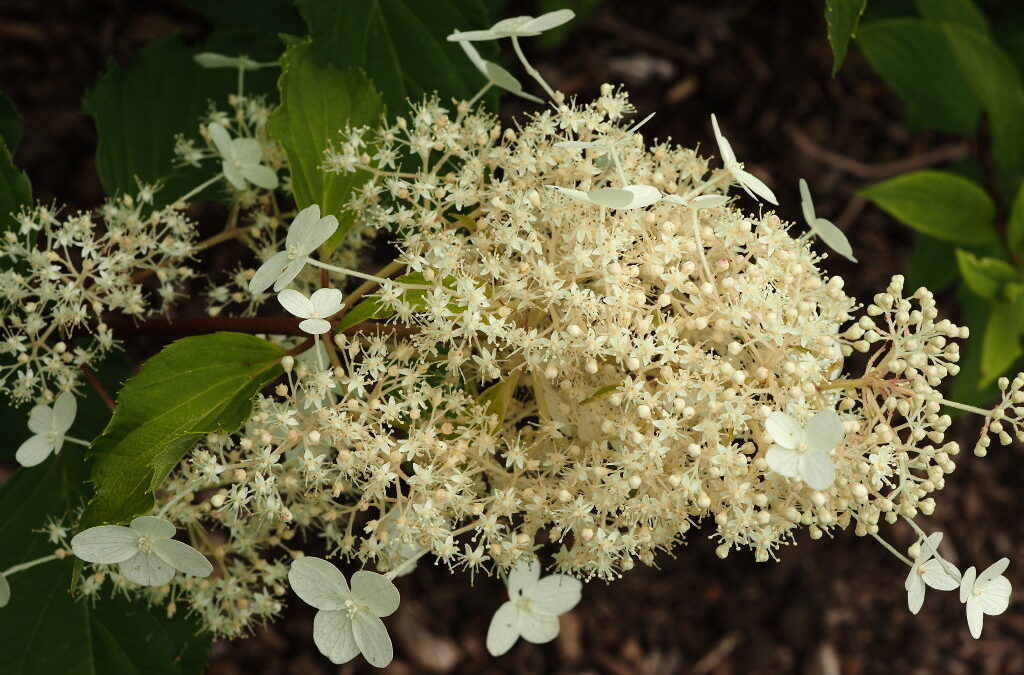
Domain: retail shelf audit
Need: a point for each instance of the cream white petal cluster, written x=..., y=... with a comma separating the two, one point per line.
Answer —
x=803, y=451
x=241, y=159
x=48, y=426
x=985, y=593
x=929, y=570
x=825, y=229
x=305, y=235
x=533, y=607
x=315, y=309
x=516, y=27
x=750, y=183
x=349, y=621
x=145, y=552
x=605, y=143
x=626, y=197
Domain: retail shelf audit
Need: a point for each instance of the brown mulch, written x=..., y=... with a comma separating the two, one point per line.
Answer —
x=828, y=607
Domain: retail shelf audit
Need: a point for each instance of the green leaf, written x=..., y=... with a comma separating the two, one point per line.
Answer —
x=996, y=83
x=316, y=102
x=373, y=308
x=194, y=386
x=1015, y=226
x=10, y=123
x=914, y=58
x=937, y=203
x=139, y=109
x=988, y=277
x=932, y=264
x=963, y=12
x=1001, y=344
x=15, y=190
x=842, y=17
x=401, y=43
x=44, y=630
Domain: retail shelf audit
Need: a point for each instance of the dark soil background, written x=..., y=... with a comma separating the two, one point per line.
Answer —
x=828, y=607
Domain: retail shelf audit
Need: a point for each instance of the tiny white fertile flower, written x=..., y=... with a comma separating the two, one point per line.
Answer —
x=144, y=551
x=803, y=451
x=586, y=145
x=495, y=74
x=626, y=197
x=241, y=159
x=305, y=235
x=214, y=60
x=315, y=309
x=349, y=620
x=698, y=202
x=826, y=231
x=929, y=570
x=750, y=183
x=5, y=591
x=48, y=426
x=533, y=607
x=516, y=26
x=985, y=593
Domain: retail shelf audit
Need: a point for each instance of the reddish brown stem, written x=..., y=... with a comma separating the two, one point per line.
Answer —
x=104, y=395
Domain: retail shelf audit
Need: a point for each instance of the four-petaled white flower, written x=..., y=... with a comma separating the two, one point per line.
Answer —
x=145, y=552
x=826, y=231
x=533, y=607
x=516, y=26
x=494, y=73
x=985, y=593
x=750, y=183
x=243, y=62
x=324, y=303
x=929, y=570
x=626, y=197
x=305, y=235
x=349, y=620
x=241, y=159
x=803, y=451
x=48, y=426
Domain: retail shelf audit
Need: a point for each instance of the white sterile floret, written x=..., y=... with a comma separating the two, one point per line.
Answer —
x=214, y=60
x=826, y=231
x=533, y=607
x=48, y=426
x=316, y=309
x=241, y=159
x=985, y=593
x=698, y=202
x=929, y=570
x=349, y=620
x=144, y=551
x=803, y=451
x=516, y=26
x=5, y=591
x=626, y=197
x=750, y=183
x=494, y=73
x=307, y=232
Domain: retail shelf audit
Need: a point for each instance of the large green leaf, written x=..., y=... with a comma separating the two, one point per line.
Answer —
x=963, y=12
x=15, y=190
x=842, y=17
x=194, y=386
x=1015, y=226
x=401, y=43
x=914, y=57
x=1001, y=344
x=316, y=102
x=988, y=277
x=10, y=123
x=140, y=108
x=937, y=203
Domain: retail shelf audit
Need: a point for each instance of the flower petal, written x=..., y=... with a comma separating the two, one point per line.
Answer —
x=233, y=175
x=548, y=21
x=291, y=271
x=817, y=469
x=153, y=527
x=322, y=231
x=555, y=594
x=326, y=302
x=247, y=150
x=318, y=583
x=524, y=573
x=995, y=596
x=833, y=238
x=570, y=192
x=473, y=36
x=612, y=198
x=750, y=182
x=64, y=410
x=994, y=570
x=221, y=139
x=824, y=431
x=806, y=205
x=372, y=638
x=295, y=303
x=269, y=272
x=724, y=147
x=182, y=557
x=260, y=175
x=146, y=569
x=376, y=592
x=967, y=583
x=708, y=201
x=332, y=635
x=5, y=591
x=303, y=226
x=40, y=419
x=537, y=627
x=915, y=591
x=783, y=461
x=936, y=576
x=106, y=544
x=315, y=326
x=784, y=429
x=504, y=629
x=34, y=450
x=975, y=616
